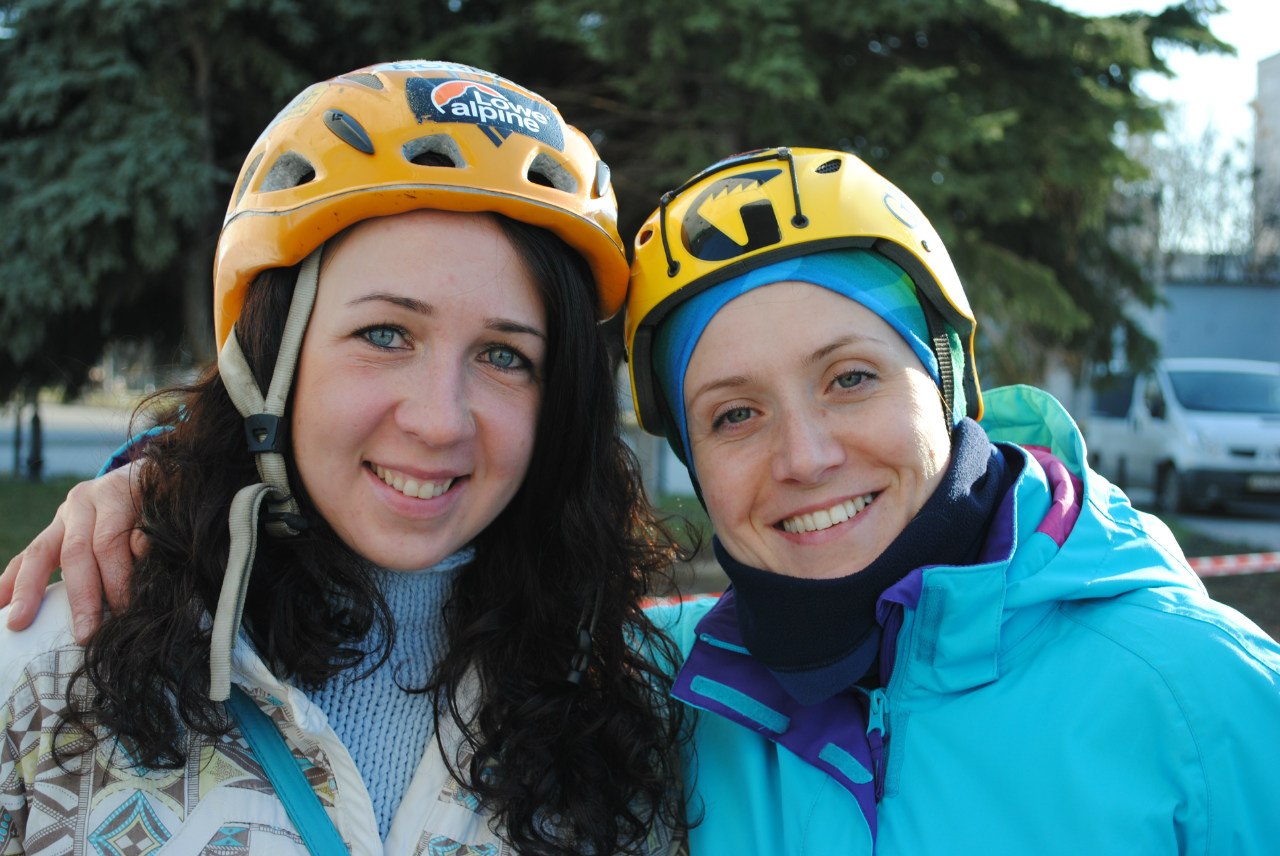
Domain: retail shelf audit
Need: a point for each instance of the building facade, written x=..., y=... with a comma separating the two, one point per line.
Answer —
x=1266, y=153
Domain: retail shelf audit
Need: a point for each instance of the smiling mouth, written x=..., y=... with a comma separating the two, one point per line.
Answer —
x=409, y=486
x=816, y=521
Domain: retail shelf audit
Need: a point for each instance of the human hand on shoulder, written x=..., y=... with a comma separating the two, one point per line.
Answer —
x=94, y=540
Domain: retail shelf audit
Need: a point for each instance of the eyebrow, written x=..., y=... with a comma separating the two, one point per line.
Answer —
x=410, y=303
x=736, y=381
x=421, y=307
x=506, y=325
x=731, y=382
x=829, y=348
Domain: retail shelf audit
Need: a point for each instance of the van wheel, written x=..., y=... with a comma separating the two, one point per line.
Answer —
x=1171, y=495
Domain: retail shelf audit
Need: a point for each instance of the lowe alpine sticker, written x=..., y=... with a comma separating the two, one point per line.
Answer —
x=497, y=111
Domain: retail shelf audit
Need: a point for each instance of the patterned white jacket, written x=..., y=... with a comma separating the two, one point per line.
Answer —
x=220, y=802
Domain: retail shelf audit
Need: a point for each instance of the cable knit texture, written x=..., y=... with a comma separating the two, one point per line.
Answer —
x=385, y=728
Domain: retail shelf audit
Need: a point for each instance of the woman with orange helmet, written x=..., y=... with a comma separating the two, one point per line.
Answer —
x=388, y=604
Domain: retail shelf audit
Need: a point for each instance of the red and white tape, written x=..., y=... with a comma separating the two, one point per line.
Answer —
x=1245, y=563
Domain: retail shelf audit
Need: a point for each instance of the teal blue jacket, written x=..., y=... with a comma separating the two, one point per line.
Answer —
x=1075, y=692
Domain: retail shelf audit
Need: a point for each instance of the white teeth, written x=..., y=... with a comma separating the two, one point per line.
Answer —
x=411, y=486
x=819, y=520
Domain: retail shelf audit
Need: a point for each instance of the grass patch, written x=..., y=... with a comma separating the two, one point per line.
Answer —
x=25, y=509
x=687, y=519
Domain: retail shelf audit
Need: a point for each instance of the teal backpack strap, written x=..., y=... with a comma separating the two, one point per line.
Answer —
x=300, y=801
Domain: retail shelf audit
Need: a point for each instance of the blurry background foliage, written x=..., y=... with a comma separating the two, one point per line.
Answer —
x=1010, y=122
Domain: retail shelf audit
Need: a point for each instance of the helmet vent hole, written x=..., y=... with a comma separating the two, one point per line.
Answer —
x=363, y=78
x=290, y=170
x=435, y=150
x=603, y=179
x=432, y=159
x=248, y=177
x=645, y=236
x=830, y=166
x=546, y=172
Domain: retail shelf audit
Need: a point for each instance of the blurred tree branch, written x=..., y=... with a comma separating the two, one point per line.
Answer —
x=123, y=122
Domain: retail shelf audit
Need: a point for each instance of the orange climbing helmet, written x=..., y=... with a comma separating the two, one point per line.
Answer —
x=407, y=135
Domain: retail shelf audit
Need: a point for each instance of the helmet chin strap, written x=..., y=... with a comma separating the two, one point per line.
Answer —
x=941, y=345
x=263, y=422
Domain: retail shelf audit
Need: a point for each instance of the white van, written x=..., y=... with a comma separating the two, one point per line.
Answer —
x=1198, y=431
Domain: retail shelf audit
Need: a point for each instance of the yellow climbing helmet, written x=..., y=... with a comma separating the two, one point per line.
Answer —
x=764, y=206
x=407, y=135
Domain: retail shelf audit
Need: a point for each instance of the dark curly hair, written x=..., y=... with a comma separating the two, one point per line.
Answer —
x=564, y=767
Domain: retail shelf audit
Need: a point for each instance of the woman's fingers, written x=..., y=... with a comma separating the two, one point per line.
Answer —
x=118, y=542
x=27, y=575
x=80, y=570
x=94, y=540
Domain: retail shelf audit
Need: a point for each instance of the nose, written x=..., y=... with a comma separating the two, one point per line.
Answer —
x=806, y=448
x=436, y=407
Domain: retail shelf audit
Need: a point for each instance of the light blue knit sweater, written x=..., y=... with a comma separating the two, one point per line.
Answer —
x=385, y=728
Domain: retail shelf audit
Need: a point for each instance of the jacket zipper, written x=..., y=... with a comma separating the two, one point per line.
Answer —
x=878, y=698
x=877, y=736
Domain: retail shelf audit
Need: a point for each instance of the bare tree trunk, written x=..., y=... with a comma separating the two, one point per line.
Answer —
x=197, y=293
x=35, y=459
x=197, y=312
x=17, y=436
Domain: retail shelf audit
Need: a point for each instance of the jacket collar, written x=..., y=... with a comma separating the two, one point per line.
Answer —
x=721, y=677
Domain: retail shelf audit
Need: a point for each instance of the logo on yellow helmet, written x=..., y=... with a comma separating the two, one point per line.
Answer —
x=903, y=209
x=732, y=216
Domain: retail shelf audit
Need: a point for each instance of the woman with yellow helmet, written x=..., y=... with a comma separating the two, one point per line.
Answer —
x=388, y=603
x=942, y=635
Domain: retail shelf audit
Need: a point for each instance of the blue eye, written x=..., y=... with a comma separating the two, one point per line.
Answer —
x=506, y=359
x=732, y=416
x=502, y=358
x=849, y=380
x=382, y=336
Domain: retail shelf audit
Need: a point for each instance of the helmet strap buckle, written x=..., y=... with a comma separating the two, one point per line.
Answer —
x=261, y=431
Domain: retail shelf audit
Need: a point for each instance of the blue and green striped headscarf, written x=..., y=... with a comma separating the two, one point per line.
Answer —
x=863, y=276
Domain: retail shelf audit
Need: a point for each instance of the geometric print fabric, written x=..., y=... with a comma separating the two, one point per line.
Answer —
x=220, y=803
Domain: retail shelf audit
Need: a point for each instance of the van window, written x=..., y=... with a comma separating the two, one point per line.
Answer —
x=1112, y=395
x=1227, y=392
x=1153, y=397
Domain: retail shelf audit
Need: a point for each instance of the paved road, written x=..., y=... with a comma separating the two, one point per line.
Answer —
x=1257, y=526
x=1254, y=523
x=77, y=437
